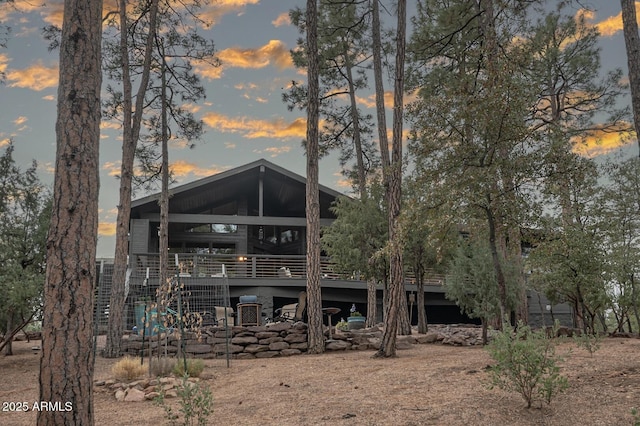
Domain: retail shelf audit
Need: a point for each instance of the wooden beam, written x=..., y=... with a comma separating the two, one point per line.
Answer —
x=235, y=220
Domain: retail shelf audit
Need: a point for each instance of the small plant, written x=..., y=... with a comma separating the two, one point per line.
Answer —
x=342, y=325
x=195, y=367
x=196, y=404
x=526, y=363
x=354, y=311
x=128, y=369
x=636, y=416
x=162, y=367
x=588, y=342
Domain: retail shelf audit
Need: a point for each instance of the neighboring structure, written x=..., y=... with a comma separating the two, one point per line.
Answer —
x=251, y=219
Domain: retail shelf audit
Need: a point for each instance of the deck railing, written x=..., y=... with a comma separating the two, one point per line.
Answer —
x=250, y=266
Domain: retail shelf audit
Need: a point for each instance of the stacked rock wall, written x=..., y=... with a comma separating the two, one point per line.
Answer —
x=286, y=339
x=281, y=339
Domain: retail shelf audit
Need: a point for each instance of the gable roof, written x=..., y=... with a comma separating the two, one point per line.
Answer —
x=283, y=193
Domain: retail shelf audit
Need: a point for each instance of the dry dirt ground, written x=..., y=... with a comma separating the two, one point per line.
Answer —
x=428, y=384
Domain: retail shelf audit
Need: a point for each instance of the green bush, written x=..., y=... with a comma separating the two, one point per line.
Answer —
x=588, y=342
x=526, y=363
x=194, y=368
x=196, y=404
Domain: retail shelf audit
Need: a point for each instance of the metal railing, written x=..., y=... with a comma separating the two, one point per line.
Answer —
x=251, y=266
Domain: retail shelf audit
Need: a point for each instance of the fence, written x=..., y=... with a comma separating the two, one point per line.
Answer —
x=188, y=299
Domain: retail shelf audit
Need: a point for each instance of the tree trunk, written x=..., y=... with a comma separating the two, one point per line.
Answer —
x=130, y=134
x=314, y=294
x=632, y=43
x=8, y=347
x=423, y=325
x=502, y=285
x=164, y=193
x=357, y=143
x=66, y=364
x=8, y=337
x=394, y=312
x=485, y=326
x=371, y=303
x=379, y=87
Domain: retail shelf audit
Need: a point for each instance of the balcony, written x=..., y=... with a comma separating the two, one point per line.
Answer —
x=256, y=266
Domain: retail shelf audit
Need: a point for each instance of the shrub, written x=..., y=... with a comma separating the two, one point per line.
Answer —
x=196, y=404
x=588, y=342
x=128, y=369
x=526, y=363
x=162, y=367
x=194, y=368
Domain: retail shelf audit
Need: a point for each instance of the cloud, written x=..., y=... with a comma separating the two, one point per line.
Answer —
x=4, y=142
x=609, y=26
x=282, y=19
x=112, y=168
x=254, y=128
x=48, y=98
x=275, y=53
x=219, y=8
x=183, y=168
x=20, y=120
x=273, y=151
x=230, y=145
x=206, y=70
x=370, y=101
x=4, y=60
x=107, y=229
x=36, y=77
x=599, y=142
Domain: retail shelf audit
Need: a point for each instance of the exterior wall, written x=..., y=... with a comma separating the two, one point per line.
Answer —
x=543, y=314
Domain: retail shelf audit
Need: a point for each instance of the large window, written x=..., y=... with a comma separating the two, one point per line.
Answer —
x=212, y=228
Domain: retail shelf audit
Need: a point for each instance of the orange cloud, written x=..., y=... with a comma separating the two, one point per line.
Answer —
x=4, y=60
x=107, y=229
x=370, y=101
x=4, y=142
x=112, y=168
x=598, y=142
x=182, y=168
x=611, y=25
x=275, y=52
x=206, y=70
x=273, y=151
x=20, y=120
x=37, y=77
x=48, y=98
x=253, y=129
x=214, y=11
x=282, y=19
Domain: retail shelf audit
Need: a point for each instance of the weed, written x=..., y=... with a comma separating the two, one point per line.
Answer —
x=194, y=368
x=196, y=404
x=128, y=369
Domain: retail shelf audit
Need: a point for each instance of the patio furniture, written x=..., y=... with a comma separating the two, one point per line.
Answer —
x=293, y=312
x=328, y=312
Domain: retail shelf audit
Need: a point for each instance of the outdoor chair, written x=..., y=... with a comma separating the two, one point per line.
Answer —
x=293, y=312
x=220, y=312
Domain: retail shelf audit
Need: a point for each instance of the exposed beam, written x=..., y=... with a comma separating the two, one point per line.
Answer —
x=235, y=220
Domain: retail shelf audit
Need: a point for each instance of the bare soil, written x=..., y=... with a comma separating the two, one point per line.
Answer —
x=425, y=385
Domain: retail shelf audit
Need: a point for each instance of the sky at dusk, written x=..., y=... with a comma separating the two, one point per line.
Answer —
x=245, y=118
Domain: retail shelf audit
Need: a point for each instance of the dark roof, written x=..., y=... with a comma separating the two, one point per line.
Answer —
x=284, y=193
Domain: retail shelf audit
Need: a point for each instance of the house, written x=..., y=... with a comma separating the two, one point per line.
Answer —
x=248, y=225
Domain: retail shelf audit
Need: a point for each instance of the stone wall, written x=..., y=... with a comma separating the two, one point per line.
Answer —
x=286, y=339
